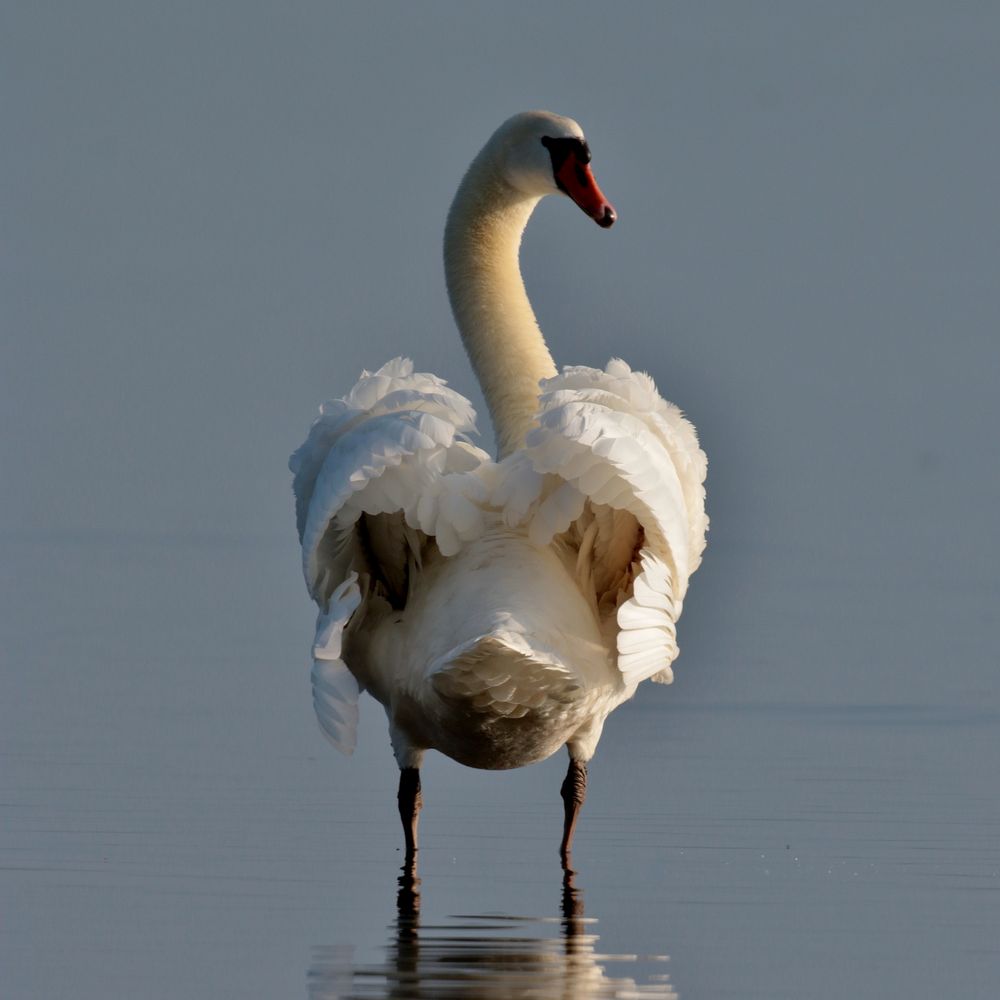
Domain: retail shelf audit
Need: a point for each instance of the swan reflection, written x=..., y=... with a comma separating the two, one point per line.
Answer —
x=485, y=958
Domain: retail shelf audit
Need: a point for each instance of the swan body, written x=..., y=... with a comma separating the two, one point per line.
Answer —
x=498, y=610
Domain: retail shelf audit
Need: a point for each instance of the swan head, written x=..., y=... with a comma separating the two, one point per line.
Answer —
x=540, y=153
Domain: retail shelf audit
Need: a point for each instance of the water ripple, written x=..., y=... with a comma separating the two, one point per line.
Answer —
x=486, y=957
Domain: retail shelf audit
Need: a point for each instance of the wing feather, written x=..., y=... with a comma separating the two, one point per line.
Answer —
x=335, y=689
x=618, y=469
x=390, y=459
x=396, y=443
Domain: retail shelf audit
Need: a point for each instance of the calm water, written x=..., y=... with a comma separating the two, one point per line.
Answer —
x=173, y=824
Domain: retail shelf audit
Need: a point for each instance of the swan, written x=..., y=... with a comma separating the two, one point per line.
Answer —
x=498, y=609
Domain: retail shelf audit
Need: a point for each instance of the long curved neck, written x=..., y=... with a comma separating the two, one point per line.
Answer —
x=492, y=311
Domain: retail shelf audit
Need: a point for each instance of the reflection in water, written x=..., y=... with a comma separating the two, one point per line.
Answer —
x=484, y=958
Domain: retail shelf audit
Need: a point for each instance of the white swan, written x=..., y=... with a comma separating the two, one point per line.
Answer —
x=498, y=610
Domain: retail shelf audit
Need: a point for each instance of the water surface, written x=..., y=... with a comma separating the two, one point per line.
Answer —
x=173, y=824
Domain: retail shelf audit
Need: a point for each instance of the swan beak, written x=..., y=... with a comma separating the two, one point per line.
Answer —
x=578, y=182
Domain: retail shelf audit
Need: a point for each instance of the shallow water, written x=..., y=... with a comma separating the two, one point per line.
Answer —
x=490, y=955
x=174, y=825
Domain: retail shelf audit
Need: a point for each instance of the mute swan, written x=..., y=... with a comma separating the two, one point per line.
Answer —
x=498, y=609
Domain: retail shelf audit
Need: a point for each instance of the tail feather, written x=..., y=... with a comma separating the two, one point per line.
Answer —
x=498, y=679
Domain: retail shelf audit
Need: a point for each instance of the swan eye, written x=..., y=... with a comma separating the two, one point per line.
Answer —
x=561, y=150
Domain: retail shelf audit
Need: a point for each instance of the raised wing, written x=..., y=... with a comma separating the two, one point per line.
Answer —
x=614, y=472
x=383, y=470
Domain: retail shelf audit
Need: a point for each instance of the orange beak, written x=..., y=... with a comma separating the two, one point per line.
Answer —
x=578, y=182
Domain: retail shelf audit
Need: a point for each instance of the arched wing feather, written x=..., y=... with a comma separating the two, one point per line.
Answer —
x=398, y=442
x=616, y=471
x=391, y=458
x=335, y=689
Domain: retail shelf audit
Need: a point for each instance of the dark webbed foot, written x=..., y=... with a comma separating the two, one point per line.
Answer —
x=573, y=791
x=410, y=804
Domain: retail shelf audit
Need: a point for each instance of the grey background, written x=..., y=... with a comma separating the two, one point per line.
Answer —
x=214, y=215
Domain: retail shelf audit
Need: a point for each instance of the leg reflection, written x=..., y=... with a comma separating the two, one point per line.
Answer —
x=572, y=905
x=483, y=956
x=408, y=897
x=407, y=957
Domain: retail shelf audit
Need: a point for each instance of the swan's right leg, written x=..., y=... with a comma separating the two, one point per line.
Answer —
x=573, y=791
x=574, y=787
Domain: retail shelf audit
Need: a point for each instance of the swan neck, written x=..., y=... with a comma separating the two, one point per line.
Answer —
x=494, y=317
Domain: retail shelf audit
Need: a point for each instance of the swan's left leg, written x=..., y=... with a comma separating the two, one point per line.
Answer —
x=410, y=799
x=410, y=804
x=573, y=791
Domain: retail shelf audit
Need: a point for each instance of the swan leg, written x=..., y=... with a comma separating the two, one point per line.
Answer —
x=410, y=803
x=573, y=791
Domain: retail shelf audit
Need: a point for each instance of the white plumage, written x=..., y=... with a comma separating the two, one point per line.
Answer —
x=498, y=609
